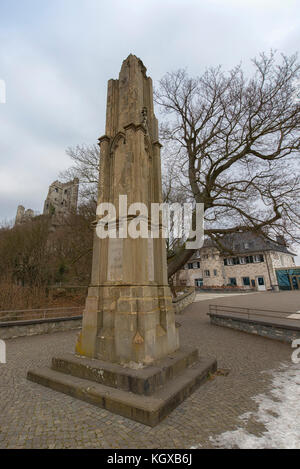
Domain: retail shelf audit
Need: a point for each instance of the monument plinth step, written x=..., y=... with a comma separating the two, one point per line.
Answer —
x=149, y=410
x=139, y=381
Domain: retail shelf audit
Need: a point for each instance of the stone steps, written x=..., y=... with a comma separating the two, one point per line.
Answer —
x=146, y=409
x=140, y=380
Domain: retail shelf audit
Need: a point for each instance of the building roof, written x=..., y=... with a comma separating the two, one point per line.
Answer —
x=248, y=242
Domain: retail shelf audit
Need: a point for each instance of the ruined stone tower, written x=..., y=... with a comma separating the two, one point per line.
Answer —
x=129, y=314
x=62, y=198
x=23, y=215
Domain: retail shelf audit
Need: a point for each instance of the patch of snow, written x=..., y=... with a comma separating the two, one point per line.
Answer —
x=279, y=412
x=133, y=365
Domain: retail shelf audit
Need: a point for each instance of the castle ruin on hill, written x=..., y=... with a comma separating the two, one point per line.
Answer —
x=62, y=198
x=23, y=215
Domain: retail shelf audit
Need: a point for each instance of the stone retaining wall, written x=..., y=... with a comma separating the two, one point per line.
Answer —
x=182, y=301
x=272, y=331
x=12, y=329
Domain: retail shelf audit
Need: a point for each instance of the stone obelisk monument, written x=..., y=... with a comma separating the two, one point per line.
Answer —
x=127, y=357
x=129, y=315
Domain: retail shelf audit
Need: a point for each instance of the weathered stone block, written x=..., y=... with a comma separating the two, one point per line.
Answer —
x=146, y=395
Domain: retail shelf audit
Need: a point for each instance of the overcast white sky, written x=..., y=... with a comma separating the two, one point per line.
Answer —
x=57, y=55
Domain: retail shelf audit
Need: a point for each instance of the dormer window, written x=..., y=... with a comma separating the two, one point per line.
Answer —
x=258, y=258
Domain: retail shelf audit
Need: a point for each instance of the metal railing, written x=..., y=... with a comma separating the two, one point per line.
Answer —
x=250, y=313
x=41, y=313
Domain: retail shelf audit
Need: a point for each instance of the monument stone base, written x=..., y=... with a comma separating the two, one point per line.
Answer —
x=124, y=323
x=146, y=395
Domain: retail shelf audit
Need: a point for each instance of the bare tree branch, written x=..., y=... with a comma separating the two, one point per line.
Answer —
x=235, y=143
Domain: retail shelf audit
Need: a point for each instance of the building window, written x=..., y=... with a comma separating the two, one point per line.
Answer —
x=232, y=281
x=190, y=265
x=243, y=260
x=249, y=259
x=232, y=261
x=258, y=258
x=260, y=281
x=207, y=273
x=215, y=272
x=197, y=265
x=198, y=282
x=246, y=281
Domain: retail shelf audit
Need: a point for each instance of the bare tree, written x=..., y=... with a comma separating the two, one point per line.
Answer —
x=236, y=145
x=86, y=160
x=173, y=193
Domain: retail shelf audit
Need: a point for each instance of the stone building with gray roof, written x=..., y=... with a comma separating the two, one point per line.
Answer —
x=246, y=261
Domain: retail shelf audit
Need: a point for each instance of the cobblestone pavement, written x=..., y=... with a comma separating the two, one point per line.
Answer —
x=32, y=416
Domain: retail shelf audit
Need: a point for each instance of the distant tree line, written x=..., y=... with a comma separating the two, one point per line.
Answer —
x=42, y=252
